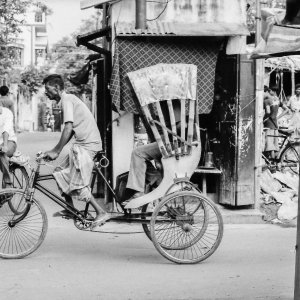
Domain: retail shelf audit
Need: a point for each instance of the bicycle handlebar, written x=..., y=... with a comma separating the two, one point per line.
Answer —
x=40, y=156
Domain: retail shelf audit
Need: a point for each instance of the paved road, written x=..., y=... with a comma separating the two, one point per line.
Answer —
x=252, y=262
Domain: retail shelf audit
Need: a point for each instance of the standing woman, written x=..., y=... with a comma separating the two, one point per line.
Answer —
x=294, y=105
x=271, y=105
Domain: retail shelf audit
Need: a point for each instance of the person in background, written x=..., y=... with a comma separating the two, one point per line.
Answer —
x=271, y=105
x=284, y=114
x=294, y=105
x=8, y=144
x=5, y=100
x=51, y=122
x=47, y=119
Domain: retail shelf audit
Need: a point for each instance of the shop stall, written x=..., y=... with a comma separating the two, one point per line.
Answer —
x=141, y=34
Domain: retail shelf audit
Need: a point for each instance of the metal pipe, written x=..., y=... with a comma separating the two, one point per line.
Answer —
x=141, y=14
x=259, y=96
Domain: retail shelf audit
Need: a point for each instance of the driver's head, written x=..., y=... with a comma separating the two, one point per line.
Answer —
x=54, y=85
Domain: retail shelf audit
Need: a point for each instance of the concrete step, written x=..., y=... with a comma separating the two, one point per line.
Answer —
x=241, y=215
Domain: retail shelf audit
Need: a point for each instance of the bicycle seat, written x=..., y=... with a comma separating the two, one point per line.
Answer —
x=99, y=155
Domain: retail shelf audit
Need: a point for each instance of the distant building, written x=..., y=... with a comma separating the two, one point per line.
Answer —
x=32, y=43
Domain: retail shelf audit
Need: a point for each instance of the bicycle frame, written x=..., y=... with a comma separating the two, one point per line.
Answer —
x=286, y=141
x=36, y=180
x=283, y=144
x=36, y=184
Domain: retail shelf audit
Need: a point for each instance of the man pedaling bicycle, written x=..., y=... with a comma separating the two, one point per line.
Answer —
x=74, y=173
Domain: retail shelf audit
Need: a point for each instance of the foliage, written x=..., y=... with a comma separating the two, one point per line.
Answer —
x=43, y=8
x=12, y=18
x=31, y=79
x=69, y=59
x=65, y=59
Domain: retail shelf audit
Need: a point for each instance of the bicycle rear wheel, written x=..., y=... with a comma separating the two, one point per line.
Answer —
x=20, y=180
x=20, y=239
x=289, y=159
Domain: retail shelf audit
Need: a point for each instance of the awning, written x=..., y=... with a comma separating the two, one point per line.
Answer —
x=285, y=63
x=157, y=28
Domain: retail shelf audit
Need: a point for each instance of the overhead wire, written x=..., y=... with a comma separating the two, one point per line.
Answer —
x=165, y=7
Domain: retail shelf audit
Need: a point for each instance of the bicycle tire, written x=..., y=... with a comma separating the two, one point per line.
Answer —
x=192, y=237
x=290, y=155
x=183, y=184
x=20, y=180
x=28, y=234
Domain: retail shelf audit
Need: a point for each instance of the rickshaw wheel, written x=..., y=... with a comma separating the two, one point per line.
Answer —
x=186, y=227
x=180, y=185
x=147, y=208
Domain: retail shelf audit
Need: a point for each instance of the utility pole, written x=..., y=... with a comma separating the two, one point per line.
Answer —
x=259, y=96
x=297, y=264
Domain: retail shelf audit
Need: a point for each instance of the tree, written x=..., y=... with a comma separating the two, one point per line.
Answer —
x=31, y=79
x=12, y=18
x=68, y=58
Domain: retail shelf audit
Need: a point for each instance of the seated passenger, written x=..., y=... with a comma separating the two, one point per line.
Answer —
x=141, y=169
x=74, y=173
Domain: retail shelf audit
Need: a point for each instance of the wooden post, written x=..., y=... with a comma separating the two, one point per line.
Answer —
x=293, y=80
x=259, y=95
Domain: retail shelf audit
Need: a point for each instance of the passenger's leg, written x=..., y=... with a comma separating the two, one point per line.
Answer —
x=138, y=166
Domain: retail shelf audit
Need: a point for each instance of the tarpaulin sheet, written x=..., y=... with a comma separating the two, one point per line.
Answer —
x=277, y=40
x=134, y=54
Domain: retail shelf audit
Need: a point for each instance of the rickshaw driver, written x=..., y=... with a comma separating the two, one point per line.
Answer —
x=74, y=173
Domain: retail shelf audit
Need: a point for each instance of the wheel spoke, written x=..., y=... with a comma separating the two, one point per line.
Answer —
x=27, y=234
x=194, y=230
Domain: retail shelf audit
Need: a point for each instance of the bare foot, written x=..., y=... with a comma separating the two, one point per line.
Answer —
x=100, y=220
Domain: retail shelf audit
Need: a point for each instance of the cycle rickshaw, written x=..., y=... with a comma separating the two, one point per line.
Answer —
x=184, y=226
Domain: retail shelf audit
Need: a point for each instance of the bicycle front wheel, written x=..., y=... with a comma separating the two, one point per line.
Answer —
x=20, y=239
x=289, y=159
x=19, y=176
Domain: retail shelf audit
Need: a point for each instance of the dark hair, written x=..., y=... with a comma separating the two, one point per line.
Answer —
x=266, y=88
x=4, y=90
x=274, y=88
x=54, y=79
x=297, y=86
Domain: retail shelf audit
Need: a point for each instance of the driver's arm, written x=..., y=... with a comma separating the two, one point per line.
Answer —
x=64, y=139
